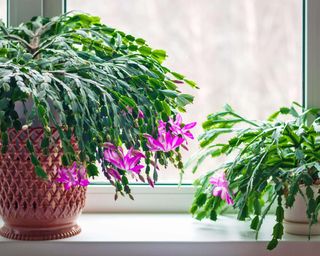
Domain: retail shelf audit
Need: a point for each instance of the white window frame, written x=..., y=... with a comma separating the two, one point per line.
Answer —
x=174, y=198
x=311, y=53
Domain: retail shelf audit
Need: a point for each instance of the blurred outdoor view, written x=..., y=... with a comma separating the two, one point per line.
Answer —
x=243, y=52
x=3, y=10
x=246, y=53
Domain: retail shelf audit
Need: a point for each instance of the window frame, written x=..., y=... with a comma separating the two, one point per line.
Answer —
x=172, y=197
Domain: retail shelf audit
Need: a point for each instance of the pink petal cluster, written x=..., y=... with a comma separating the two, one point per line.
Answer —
x=114, y=173
x=220, y=187
x=177, y=128
x=128, y=162
x=165, y=142
x=73, y=176
x=140, y=114
x=171, y=135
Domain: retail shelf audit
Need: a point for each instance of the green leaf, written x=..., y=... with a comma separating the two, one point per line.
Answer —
x=177, y=75
x=30, y=146
x=160, y=55
x=257, y=206
x=166, y=108
x=124, y=180
x=140, y=41
x=201, y=199
x=184, y=99
x=65, y=161
x=158, y=106
x=130, y=38
x=309, y=192
x=213, y=215
x=299, y=154
x=145, y=50
x=278, y=231
x=307, y=179
x=193, y=209
x=279, y=213
x=243, y=213
x=169, y=93
x=191, y=83
x=45, y=142
x=17, y=125
x=40, y=172
x=92, y=170
x=284, y=110
x=128, y=101
x=42, y=113
x=4, y=102
x=34, y=160
x=254, y=222
x=201, y=215
x=311, y=206
x=272, y=244
x=228, y=108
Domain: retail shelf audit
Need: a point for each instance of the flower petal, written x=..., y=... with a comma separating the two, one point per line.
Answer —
x=189, y=126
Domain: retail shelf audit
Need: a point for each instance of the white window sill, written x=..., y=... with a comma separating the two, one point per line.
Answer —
x=162, y=234
x=161, y=199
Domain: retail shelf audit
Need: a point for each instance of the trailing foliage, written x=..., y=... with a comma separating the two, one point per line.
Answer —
x=89, y=81
x=267, y=163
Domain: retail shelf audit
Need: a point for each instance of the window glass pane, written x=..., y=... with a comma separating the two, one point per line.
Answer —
x=243, y=52
x=3, y=10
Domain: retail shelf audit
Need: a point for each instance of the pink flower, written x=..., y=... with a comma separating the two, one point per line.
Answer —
x=162, y=127
x=72, y=176
x=170, y=135
x=165, y=142
x=140, y=114
x=114, y=173
x=178, y=129
x=150, y=181
x=82, y=177
x=127, y=162
x=220, y=187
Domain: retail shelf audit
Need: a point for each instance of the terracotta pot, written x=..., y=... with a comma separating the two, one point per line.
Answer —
x=32, y=208
x=295, y=218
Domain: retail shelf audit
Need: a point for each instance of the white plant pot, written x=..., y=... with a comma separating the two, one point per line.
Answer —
x=295, y=218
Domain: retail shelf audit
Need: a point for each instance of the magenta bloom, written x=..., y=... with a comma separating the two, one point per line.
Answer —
x=178, y=129
x=165, y=142
x=170, y=135
x=220, y=187
x=72, y=176
x=114, y=173
x=127, y=162
x=140, y=114
x=82, y=177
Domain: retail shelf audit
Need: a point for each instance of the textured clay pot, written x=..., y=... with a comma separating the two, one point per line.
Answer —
x=295, y=218
x=32, y=208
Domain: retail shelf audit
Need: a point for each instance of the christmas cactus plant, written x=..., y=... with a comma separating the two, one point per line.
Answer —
x=268, y=163
x=107, y=89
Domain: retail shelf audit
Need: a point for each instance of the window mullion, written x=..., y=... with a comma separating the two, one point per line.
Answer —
x=20, y=11
x=311, y=52
x=53, y=8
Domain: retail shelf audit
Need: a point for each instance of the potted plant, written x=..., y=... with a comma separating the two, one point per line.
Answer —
x=76, y=95
x=272, y=164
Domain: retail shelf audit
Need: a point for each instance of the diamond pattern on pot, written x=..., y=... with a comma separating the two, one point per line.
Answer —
x=22, y=193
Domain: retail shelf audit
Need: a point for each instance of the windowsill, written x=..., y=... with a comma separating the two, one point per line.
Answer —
x=162, y=234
